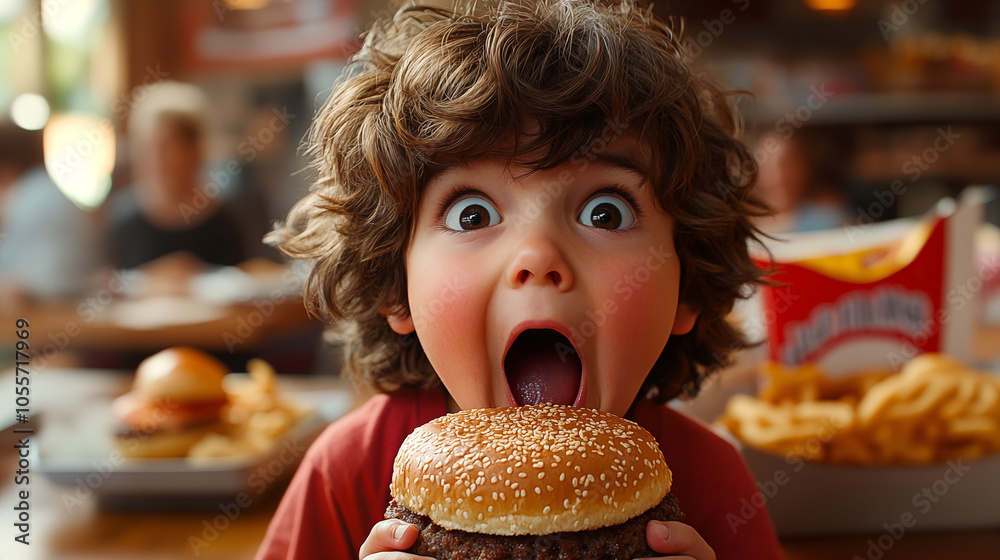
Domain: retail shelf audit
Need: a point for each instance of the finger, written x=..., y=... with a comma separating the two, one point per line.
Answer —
x=388, y=535
x=672, y=537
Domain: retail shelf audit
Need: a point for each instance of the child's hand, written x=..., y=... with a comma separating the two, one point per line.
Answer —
x=386, y=538
x=671, y=537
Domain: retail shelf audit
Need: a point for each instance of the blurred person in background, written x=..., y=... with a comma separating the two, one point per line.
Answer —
x=49, y=248
x=802, y=193
x=172, y=219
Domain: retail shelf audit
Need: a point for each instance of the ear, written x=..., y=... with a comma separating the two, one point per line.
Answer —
x=399, y=320
x=684, y=319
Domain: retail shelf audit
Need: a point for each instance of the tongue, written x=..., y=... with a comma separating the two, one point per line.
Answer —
x=543, y=367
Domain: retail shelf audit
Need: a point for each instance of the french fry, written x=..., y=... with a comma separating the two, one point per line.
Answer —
x=839, y=414
x=973, y=428
x=879, y=398
x=790, y=385
x=985, y=403
x=263, y=375
x=925, y=400
x=961, y=400
x=256, y=417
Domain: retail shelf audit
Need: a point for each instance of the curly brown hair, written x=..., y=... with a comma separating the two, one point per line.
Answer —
x=431, y=88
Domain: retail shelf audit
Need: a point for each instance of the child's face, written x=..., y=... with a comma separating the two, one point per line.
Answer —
x=580, y=255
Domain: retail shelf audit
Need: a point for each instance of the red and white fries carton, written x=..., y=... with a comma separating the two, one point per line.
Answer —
x=874, y=296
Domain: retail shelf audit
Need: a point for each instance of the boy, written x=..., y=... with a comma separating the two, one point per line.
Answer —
x=521, y=205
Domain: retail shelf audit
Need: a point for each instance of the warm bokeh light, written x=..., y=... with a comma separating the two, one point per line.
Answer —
x=79, y=156
x=831, y=5
x=247, y=4
x=30, y=111
x=10, y=9
x=67, y=21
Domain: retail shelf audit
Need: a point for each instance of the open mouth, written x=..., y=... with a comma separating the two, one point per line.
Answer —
x=542, y=366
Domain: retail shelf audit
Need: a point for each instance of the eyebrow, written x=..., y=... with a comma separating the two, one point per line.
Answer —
x=622, y=160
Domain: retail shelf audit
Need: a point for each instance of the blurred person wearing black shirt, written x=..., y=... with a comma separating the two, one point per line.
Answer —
x=173, y=213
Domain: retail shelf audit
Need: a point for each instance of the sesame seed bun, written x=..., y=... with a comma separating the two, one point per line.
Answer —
x=181, y=374
x=530, y=470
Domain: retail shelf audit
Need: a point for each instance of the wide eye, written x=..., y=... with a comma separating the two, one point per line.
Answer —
x=470, y=214
x=607, y=212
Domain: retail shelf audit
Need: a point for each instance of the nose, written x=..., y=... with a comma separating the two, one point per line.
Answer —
x=538, y=261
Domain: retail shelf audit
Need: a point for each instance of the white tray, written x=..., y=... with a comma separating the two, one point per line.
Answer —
x=79, y=452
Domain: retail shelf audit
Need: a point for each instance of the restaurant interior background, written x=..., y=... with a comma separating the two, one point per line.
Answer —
x=844, y=99
x=858, y=111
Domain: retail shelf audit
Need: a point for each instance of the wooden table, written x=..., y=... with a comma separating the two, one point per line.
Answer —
x=970, y=545
x=230, y=327
x=64, y=529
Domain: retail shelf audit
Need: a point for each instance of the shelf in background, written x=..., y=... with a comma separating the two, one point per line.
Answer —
x=876, y=108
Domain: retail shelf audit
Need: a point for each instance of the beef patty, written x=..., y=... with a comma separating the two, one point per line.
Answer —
x=618, y=542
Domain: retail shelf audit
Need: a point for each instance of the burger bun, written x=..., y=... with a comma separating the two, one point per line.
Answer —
x=530, y=470
x=181, y=374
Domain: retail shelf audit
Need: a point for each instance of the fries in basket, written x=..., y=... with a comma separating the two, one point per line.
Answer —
x=935, y=409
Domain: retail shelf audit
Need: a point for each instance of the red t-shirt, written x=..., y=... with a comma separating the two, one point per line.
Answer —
x=342, y=487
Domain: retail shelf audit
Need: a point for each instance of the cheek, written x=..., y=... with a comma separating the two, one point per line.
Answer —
x=643, y=320
x=440, y=298
x=641, y=306
x=448, y=310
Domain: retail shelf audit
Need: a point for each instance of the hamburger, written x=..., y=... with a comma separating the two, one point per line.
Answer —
x=541, y=481
x=176, y=400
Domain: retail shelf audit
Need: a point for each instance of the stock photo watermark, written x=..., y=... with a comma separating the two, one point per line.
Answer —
x=263, y=309
x=258, y=482
x=958, y=296
x=31, y=25
x=899, y=15
x=88, y=310
x=922, y=502
x=694, y=46
x=248, y=148
x=785, y=127
x=624, y=290
x=796, y=460
x=915, y=167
